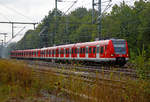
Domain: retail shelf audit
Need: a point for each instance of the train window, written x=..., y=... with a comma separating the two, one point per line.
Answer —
x=56, y=52
x=94, y=50
x=50, y=52
x=80, y=50
x=72, y=51
x=97, y=49
x=75, y=50
x=86, y=49
x=53, y=52
x=47, y=52
x=90, y=50
x=66, y=51
x=83, y=50
x=61, y=52
x=102, y=50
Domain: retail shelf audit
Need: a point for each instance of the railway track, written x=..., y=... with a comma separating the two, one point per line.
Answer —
x=88, y=69
x=87, y=75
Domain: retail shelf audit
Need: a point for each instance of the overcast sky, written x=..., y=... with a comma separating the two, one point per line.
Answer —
x=35, y=10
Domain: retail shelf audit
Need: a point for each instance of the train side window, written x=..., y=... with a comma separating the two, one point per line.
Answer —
x=102, y=50
x=49, y=52
x=97, y=49
x=72, y=51
x=86, y=49
x=62, y=51
x=94, y=50
x=80, y=50
x=90, y=50
x=75, y=50
x=66, y=51
x=53, y=52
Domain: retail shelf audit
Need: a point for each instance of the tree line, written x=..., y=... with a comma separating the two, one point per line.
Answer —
x=123, y=21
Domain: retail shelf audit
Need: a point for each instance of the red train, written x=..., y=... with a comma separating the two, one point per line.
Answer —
x=113, y=50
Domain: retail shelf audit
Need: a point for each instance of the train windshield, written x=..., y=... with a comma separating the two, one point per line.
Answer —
x=120, y=47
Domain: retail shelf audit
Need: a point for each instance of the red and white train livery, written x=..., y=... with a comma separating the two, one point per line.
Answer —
x=113, y=50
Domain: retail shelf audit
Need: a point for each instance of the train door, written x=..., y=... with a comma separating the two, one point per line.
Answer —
x=46, y=53
x=67, y=52
x=102, y=53
x=82, y=52
x=62, y=52
x=52, y=53
x=57, y=52
x=74, y=52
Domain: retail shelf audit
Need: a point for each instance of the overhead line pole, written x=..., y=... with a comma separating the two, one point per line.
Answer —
x=93, y=9
x=12, y=30
x=99, y=4
x=55, y=22
x=5, y=35
x=18, y=23
x=100, y=19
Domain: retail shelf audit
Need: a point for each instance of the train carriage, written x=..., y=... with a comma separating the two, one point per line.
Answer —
x=113, y=50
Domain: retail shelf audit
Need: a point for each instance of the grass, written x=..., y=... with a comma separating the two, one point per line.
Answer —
x=19, y=83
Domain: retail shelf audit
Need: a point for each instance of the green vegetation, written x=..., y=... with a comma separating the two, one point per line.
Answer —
x=125, y=22
x=20, y=83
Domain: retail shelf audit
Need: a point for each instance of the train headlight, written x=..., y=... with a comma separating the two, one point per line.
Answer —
x=112, y=55
x=127, y=55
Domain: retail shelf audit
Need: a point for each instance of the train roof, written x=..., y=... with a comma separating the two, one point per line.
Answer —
x=76, y=44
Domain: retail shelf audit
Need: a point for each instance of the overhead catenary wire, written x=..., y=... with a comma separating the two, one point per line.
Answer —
x=16, y=35
x=5, y=17
x=15, y=11
x=71, y=6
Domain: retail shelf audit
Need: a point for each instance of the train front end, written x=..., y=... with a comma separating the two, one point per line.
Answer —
x=119, y=51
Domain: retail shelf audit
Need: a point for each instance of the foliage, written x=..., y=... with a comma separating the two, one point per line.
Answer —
x=142, y=65
x=21, y=84
x=127, y=22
